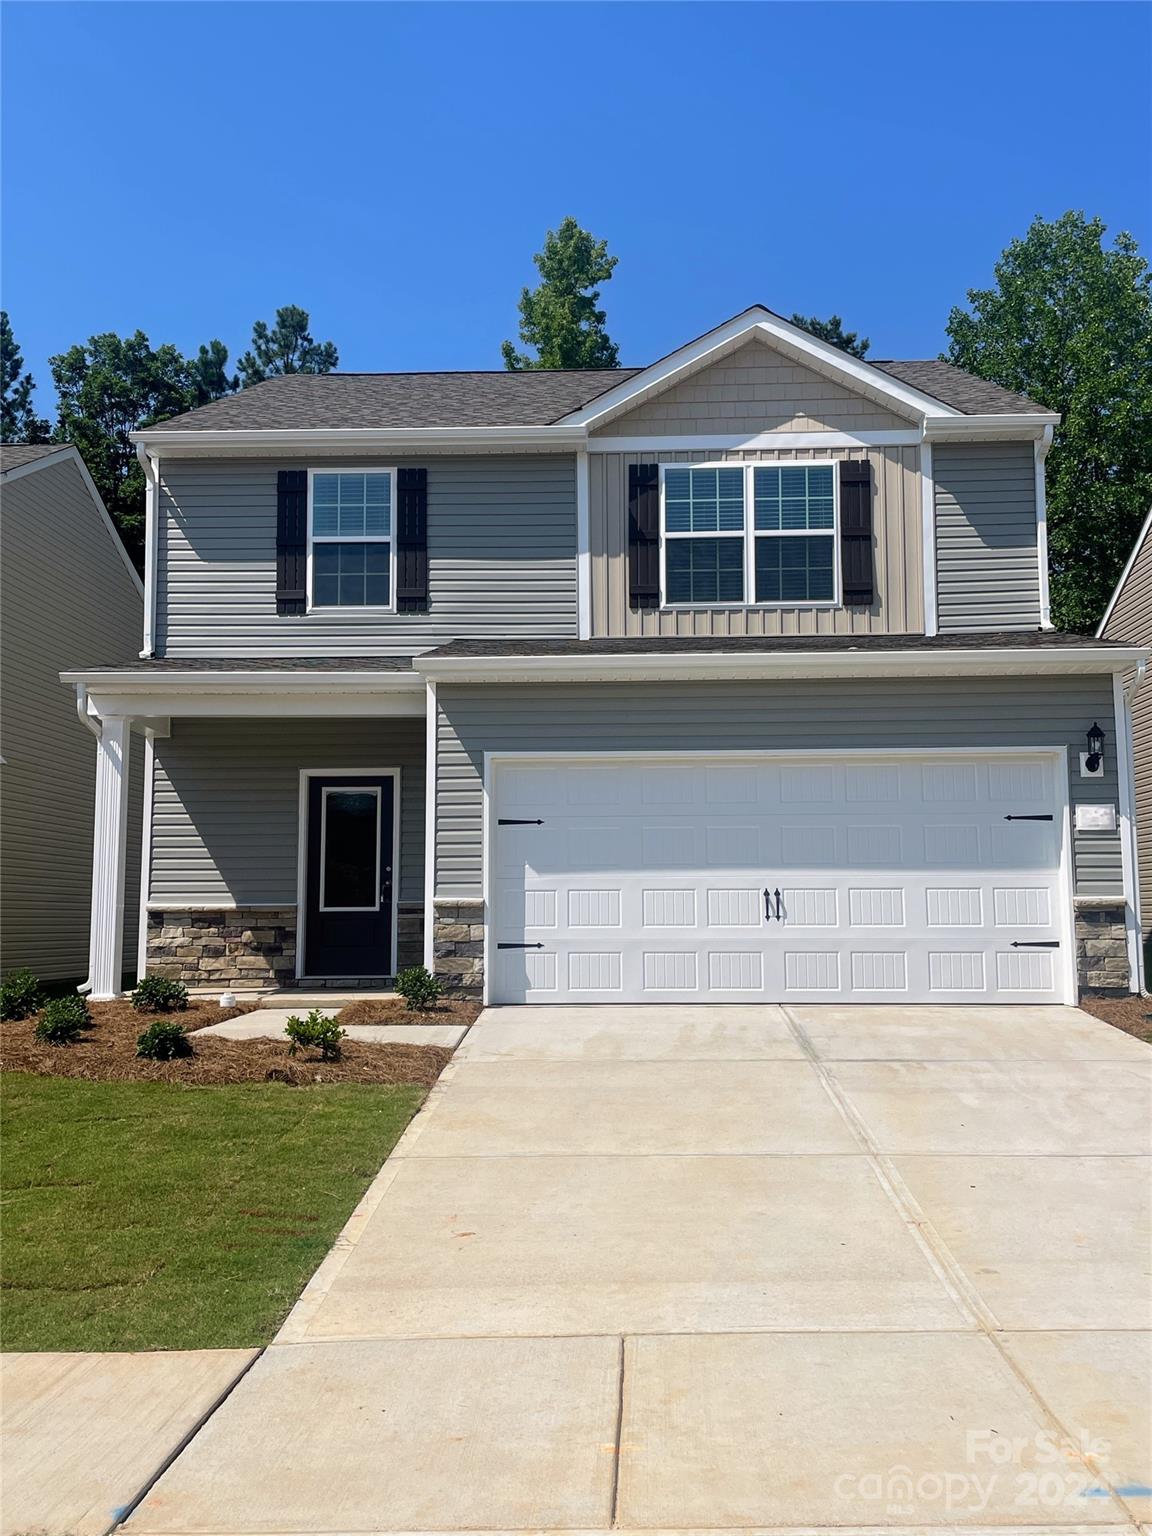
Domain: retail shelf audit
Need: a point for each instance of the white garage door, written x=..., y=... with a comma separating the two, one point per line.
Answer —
x=903, y=878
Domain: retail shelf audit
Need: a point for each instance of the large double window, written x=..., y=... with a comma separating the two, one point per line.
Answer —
x=351, y=517
x=739, y=534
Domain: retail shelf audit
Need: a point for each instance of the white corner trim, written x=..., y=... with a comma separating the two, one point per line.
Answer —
x=758, y=440
x=145, y=853
x=152, y=507
x=1127, y=571
x=109, y=842
x=583, y=549
x=761, y=322
x=430, y=736
x=1043, y=444
x=928, y=539
x=1124, y=779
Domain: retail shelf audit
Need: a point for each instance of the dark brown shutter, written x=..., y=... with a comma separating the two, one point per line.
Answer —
x=292, y=541
x=644, y=535
x=411, y=540
x=856, y=562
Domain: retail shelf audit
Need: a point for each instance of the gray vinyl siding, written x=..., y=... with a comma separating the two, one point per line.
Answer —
x=226, y=804
x=973, y=713
x=501, y=553
x=1131, y=619
x=67, y=600
x=897, y=519
x=987, y=570
x=754, y=389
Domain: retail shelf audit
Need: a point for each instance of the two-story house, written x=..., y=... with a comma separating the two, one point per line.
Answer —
x=727, y=679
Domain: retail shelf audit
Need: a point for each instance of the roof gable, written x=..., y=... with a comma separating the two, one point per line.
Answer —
x=1128, y=615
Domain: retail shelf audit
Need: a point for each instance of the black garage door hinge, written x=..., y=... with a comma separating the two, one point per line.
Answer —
x=518, y=821
x=1047, y=817
x=1035, y=943
x=519, y=946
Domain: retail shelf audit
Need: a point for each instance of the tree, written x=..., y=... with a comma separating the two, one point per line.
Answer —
x=1069, y=323
x=209, y=372
x=832, y=331
x=19, y=422
x=108, y=387
x=559, y=318
x=286, y=348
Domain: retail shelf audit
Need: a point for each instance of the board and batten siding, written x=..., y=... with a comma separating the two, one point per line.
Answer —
x=897, y=519
x=1131, y=619
x=501, y=558
x=67, y=601
x=226, y=804
x=987, y=564
x=755, y=389
x=975, y=713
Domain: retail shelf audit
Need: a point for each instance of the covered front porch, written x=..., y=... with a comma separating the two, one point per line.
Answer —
x=284, y=822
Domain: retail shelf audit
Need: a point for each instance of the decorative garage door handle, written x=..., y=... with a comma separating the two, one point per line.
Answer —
x=519, y=946
x=768, y=912
x=518, y=821
x=1029, y=818
x=1035, y=943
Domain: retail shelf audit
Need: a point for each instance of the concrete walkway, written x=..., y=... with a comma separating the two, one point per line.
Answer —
x=723, y=1268
x=82, y=1435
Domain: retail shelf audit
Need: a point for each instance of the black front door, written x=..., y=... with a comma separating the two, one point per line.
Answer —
x=348, y=917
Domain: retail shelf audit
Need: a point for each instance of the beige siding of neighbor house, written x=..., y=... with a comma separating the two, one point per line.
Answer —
x=756, y=389
x=68, y=600
x=1131, y=619
x=898, y=606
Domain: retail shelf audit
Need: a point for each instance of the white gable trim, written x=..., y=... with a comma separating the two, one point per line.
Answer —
x=758, y=324
x=1136, y=548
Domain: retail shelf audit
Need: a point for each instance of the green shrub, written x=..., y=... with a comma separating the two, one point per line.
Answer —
x=164, y=1040
x=419, y=988
x=20, y=994
x=324, y=1034
x=63, y=1020
x=160, y=994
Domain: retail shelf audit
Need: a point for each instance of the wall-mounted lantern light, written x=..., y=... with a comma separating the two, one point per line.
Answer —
x=1092, y=761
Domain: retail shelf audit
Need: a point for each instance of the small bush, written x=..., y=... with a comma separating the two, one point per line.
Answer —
x=324, y=1034
x=62, y=1020
x=160, y=994
x=20, y=994
x=419, y=988
x=164, y=1040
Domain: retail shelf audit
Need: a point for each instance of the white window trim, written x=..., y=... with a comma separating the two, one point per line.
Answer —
x=332, y=538
x=750, y=534
x=344, y=789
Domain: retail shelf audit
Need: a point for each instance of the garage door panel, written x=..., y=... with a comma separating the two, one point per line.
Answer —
x=825, y=881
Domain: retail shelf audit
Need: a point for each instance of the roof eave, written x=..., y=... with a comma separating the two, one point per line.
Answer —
x=336, y=439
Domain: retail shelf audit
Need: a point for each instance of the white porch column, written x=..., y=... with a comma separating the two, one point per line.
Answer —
x=109, y=837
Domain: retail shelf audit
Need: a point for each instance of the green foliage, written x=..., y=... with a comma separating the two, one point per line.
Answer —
x=832, y=331
x=160, y=994
x=320, y=1033
x=419, y=988
x=287, y=347
x=20, y=994
x=209, y=373
x=163, y=1040
x=1069, y=323
x=560, y=318
x=19, y=422
x=62, y=1020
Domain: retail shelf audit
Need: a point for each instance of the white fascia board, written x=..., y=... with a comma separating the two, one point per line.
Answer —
x=134, y=681
x=653, y=666
x=250, y=694
x=337, y=440
x=1017, y=424
x=769, y=327
x=1127, y=571
x=897, y=438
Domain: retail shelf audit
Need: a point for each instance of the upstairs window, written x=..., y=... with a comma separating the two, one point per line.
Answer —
x=351, y=517
x=795, y=524
x=703, y=508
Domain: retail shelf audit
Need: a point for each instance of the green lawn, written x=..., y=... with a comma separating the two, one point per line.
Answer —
x=144, y=1216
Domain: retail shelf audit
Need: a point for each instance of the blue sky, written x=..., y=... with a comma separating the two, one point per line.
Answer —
x=185, y=168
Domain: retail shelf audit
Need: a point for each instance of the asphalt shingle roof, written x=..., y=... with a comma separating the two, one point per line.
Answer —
x=709, y=645
x=962, y=391
x=14, y=455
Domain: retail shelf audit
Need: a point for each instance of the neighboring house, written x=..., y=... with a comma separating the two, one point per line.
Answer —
x=727, y=679
x=70, y=594
x=1129, y=617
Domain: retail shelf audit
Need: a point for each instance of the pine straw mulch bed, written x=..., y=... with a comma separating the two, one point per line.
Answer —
x=107, y=1053
x=1132, y=1014
x=394, y=1010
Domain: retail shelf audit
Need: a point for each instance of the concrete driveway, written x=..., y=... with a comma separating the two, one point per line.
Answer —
x=704, y=1268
